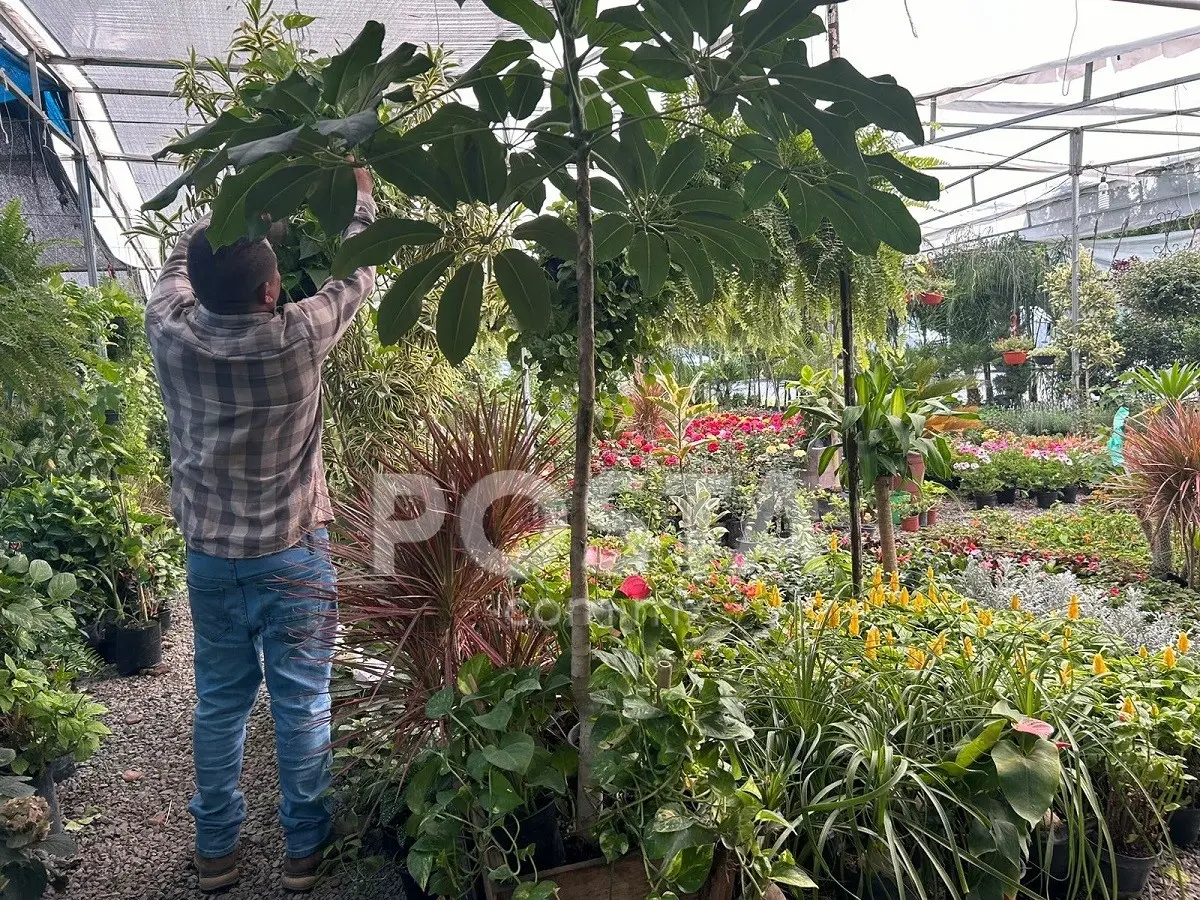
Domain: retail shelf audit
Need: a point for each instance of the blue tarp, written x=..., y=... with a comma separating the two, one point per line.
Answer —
x=54, y=99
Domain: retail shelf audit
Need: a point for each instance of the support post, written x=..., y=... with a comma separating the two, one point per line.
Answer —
x=833, y=26
x=932, y=117
x=849, y=442
x=84, y=192
x=1076, y=172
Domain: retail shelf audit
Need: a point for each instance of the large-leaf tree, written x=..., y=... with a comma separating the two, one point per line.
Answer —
x=590, y=126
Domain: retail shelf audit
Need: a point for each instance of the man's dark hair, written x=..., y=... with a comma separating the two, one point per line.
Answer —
x=228, y=280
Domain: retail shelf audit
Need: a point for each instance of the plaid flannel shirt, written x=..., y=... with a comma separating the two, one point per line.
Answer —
x=243, y=402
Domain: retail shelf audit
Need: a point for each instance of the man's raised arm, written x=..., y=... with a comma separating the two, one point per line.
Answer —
x=174, y=287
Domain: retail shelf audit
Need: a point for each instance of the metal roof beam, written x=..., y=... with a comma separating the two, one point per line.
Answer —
x=1173, y=4
x=135, y=62
x=1012, y=158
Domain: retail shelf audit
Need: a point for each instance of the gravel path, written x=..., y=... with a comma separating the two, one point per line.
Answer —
x=130, y=800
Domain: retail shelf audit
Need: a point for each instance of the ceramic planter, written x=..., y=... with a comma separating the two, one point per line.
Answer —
x=1015, y=357
x=1184, y=826
x=134, y=646
x=932, y=517
x=916, y=464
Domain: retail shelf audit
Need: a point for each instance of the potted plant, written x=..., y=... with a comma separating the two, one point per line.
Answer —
x=1014, y=349
x=1045, y=356
x=932, y=497
x=1043, y=475
x=909, y=512
x=980, y=481
x=30, y=850
x=1008, y=465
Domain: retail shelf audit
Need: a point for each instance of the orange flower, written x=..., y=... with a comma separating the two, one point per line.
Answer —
x=1169, y=658
x=938, y=645
x=756, y=590
x=916, y=658
x=1015, y=602
x=834, y=620
x=1073, y=607
x=697, y=655
x=1184, y=643
x=854, y=627
x=1099, y=666
x=1143, y=653
x=835, y=543
x=986, y=618
x=775, y=599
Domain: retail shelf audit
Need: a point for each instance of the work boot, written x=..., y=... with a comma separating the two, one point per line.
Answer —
x=219, y=873
x=300, y=875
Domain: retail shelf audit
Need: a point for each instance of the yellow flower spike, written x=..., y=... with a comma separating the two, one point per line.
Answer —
x=757, y=589
x=933, y=593
x=1021, y=662
x=968, y=648
x=986, y=618
x=1014, y=603
x=1143, y=653
x=877, y=578
x=964, y=607
x=774, y=598
x=1067, y=631
x=1045, y=636
x=834, y=619
x=919, y=602
x=904, y=597
x=929, y=574
x=1169, y=658
x=938, y=645
x=894, y=581
x=890, y=638
x=1128, y=710
x=1073, y=608
x=1099, y=666
x=854, y=626
x=1066, y=645
x=916, y=658
x=871, y=644
x=1184, y=643
x=1154, y=710
x=1066, y=673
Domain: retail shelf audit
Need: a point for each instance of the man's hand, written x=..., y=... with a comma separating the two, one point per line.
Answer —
x=366, y=184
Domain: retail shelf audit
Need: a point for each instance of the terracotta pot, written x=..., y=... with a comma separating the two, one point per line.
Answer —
x=916, y=464
x=932, y=516
x=1015, y=357
x=931, y=298
x=912, y=523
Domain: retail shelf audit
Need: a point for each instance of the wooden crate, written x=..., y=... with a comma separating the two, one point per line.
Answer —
x=624, y=880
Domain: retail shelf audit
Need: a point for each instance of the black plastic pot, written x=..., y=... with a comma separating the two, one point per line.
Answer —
x=1133, y=872
x=112, y=417
x=983, y=501
x=1184, y=826
x=823, y=508
x=44, y=785
x=1070, y=494
x=1007, y=497
x=540, y=828
x=63, y=768
x=1046, y=499
x=93, y=637
x=735, y=528
x=164, y=618
x=135, y=646
x=923, y=519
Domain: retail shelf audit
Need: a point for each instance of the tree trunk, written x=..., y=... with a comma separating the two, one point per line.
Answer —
x=1162, y=550
x=581, y=642
x=883, y=512
x=988, y=391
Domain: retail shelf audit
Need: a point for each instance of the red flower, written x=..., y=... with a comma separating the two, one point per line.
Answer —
x=636, y=461
x=608, y=458
x=671, y=461
x=635, y=587
x=713, y=446
x=1034, y=726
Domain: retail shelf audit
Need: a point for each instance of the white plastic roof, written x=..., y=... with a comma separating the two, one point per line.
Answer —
x=998, y=179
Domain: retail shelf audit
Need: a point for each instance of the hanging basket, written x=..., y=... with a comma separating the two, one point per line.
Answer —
x=931, y=298
x=1015, y=357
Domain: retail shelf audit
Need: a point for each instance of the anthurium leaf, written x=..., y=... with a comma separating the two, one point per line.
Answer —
x=695, y=264
x=353, y=129
x=440, y=704
x=458, y=312
x=525, y=86
x=491, y=97
x=334, y=198
x=762, y=183
x=634, y=101
x=552, y=234
x=400, y=308
x=607, y=196
x=741, y=239
x=228, y=222
x=651, y=259
x=211, y=136
x=297, y=95
x=709, y=201
x=496, y=718
x=512, y=754
x=882, y=102
x=526, y=287
x=773, y=20
x=533, y=18
x=681, y=162
x=709, y=18
x=980, y=743
x=379, y=241
x=613, y=233
x=279, y=194
x=243, y=156
x=1029, y=780
x=410, y=168
x=342, y=74
x=911, y=183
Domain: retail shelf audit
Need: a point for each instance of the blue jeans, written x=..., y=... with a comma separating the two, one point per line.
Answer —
x=283, y=607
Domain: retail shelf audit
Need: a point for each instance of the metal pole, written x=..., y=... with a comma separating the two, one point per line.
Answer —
x=84, y=182
x=1076, y=171
x=1175, y=4
x=833, y=26
x=849, y=442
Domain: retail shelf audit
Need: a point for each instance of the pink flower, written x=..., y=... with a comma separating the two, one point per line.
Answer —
x=608, y=458
x=671, y=461
x=739, y=559
x=1035, y=727
x=635, y=587
x=636, y=461
x=602, y=558
x=713, y=446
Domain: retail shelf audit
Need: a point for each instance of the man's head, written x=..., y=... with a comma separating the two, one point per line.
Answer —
x=241, y=278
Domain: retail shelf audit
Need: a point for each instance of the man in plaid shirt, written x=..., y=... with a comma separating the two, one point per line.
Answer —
x=241, y=382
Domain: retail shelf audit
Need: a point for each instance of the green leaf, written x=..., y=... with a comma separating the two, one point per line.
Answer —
x=39, y=571
x=379, y=241
x=400, y=308
x=475, y=164
x=608, y=196
x=834, y=135
x=491, y=97
x=279, y=194
x=681, y=162
x=1028, y=781
x=167, y=195
x=513, y=754
x=709, y=18
x=61, y=586
x=451, y=120
x=353, y=129
x=500, y=799
x=762, y=184
x=892, y=221
x=526, y=287
x=211, y=136
x=297, y=96
x=980, y=743
x=334, y=199
x=613, y=234
x=495, y=719
x=845, y=213
x=651, y=259
x=634, y=101
x=670, y=19
x=552, y=234
x=784, y=873
x=695, y=264
x=526, y=182
x=412, y=169
x=709, y=201
x=619, y=25
x=439, y=705
x=911, y=183
x=803, y=206
x=303, y=138
x=774, y=20
x=643, y=162
x=228, y=222
x=660, y=63
x=533, y=18
x=342, y=74
x=741, y=239
x=535, y=890
x=458, y=313
x=499, y=57
x=693, y=867
x=882, y=102
x=295, y=21
x=525, y=88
